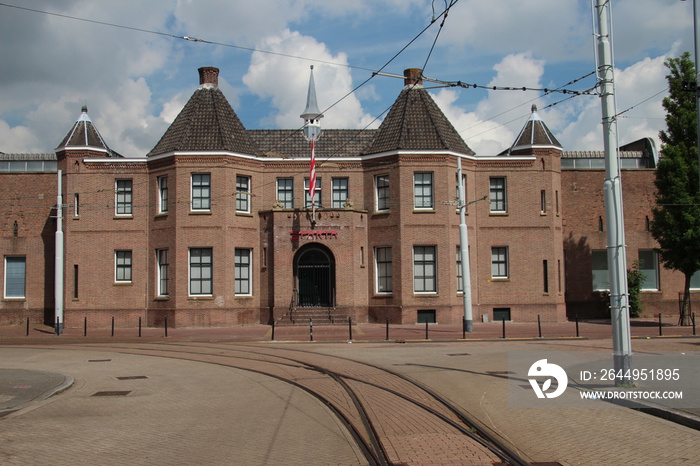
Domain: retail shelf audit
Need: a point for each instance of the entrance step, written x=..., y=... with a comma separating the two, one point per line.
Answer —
x=301, y=316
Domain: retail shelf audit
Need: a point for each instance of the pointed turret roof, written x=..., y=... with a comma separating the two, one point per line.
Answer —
x=415, y=122
x=85, y=134
x=311, y=112
x=534, y=134
x=207, y=123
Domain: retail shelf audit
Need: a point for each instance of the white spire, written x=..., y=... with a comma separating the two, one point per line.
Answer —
x=311, y=115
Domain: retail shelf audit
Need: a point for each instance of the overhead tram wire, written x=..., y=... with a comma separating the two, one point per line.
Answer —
x=180, y=37
x=374, y=73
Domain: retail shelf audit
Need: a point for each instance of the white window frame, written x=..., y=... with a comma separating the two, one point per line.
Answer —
x=382, y=194
x=241, y=268
x=123, y=261
x=425, y=199
x=206, y=265
x=124, y=197
x=655, y=263
x=318, y=199
x=243, y=198
x=200, y=198
x=500, y=264
x=423, y=264
x=339, y=192
x=383, y=270
x=287, y=200
x=498, y=195
x=162, y=194
x=7, y=277
x=162, y=272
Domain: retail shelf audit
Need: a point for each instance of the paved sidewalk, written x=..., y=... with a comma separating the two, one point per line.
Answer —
x=175, y=413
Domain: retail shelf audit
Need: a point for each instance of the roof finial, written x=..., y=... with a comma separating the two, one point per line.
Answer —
x=534, y=108
x=311, y=115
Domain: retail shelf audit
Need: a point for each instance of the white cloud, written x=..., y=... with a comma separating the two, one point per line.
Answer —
x=285, y=83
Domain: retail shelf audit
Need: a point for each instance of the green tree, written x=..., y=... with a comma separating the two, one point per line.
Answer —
x=635, y=279
x=676, y=222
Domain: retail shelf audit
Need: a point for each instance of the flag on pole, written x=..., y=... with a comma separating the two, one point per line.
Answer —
x=312, y=174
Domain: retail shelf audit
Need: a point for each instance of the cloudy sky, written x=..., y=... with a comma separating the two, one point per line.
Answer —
x=127, y=62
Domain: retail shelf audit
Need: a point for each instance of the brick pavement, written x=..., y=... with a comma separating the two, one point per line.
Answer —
x=182, y=413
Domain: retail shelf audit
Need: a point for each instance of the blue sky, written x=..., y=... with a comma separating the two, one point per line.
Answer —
x=135, y=82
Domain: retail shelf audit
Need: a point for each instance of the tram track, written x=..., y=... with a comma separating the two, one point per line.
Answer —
x=392, y=419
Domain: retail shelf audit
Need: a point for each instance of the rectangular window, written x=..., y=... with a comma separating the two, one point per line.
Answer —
x=318, y=199
x=122, y=266
x=695, y=281
x=545, y=276
x=76, y=205
x=497, y=194
x=242, y=272
x=499, y=262
x=543, y=201
x=124, y=195
x=599, y=266
x=15, y=276
x=426, y=316
x=201, y=191
x=243, y=194
x=382, y=189
x=285, y=192
x=162, y=259
x=423, y=191
x=340, y=192
x=382, y=257
x=424, y=269
x=201, y=272
x=162, y=194
x=649, y=266
x=75, y=281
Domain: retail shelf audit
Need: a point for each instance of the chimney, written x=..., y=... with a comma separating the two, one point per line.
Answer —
x=413, y=77
x=209, y=76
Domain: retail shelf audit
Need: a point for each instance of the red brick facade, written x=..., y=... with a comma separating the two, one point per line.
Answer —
x=545, y=232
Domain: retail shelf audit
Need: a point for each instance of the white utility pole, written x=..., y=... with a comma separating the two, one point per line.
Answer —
x=617, y=261
x=468, y=322
x=58, y=264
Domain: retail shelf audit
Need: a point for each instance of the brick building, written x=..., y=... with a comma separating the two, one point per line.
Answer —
x=213, y=227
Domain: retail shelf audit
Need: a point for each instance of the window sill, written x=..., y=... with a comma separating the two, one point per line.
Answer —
x=14, y=300
x=244, y=214
x=243, y=296
x=498, y=280
x=423, y=211
x=161, y=214
x=123, y=217
x=383, y=295
x=498, y=214
x=201, y=298
x=200, y=212
x=377, y=213
x=123, y=283
x=426, y=295
x=161, y=298
x=543, y=214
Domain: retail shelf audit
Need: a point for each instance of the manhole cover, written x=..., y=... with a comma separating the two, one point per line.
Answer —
x=132, y=377
x=112, y=393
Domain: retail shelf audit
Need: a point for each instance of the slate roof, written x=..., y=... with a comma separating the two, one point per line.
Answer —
x=535, y=133
x=207, y=123
x=290, y=143
x=415, y=122
x=85, y=134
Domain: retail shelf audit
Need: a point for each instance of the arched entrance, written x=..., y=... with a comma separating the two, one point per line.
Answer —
x=314, y=275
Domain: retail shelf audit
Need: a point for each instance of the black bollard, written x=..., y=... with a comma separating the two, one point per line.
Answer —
x=58, y=326
x=112, y=325
x=661, y=332
x=539, y=326
x=272, y=338
x=504, y=327
x=311, y=330
x=139, y=327
x=577, y=332
x=27, y=326
x=165, y=325
x=350, y=327
x=387, y=329
x=464, y=328
x=693, y=317
x=85, y=326
x=426, y=330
